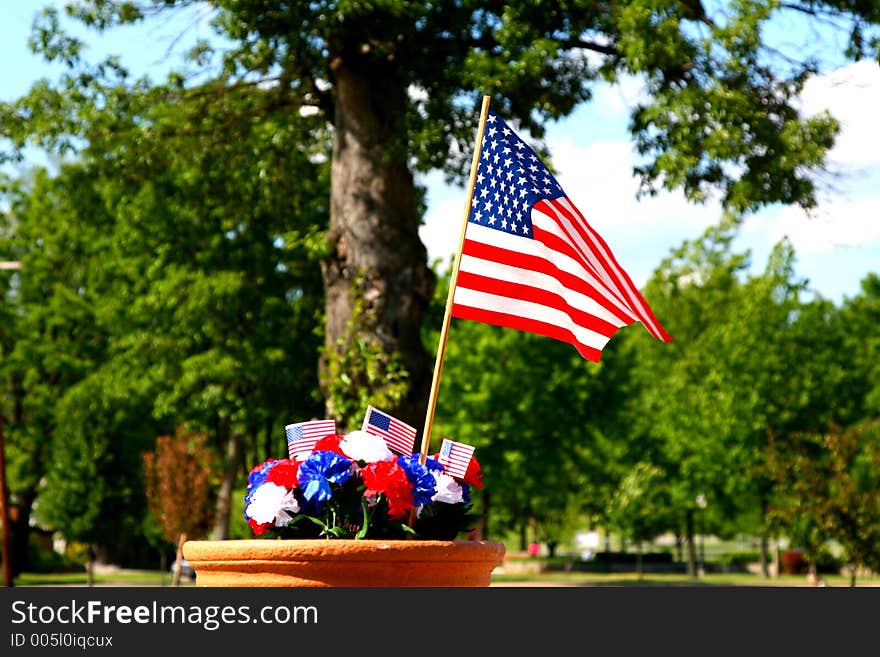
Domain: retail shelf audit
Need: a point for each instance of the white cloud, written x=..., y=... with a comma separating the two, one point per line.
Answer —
x=852, y=95
x=848, y=214
x=593, y=156
x=441, y=231
x=835, y=225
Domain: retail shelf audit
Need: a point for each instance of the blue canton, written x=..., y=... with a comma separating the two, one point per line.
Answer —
x=510, y=179
x=381, y=421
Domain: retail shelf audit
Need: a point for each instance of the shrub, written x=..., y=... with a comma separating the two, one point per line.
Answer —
x=740, y=558
x=792, y=562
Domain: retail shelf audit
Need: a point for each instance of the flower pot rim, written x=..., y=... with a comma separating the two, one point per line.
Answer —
x=333, y=548
x=343, y=562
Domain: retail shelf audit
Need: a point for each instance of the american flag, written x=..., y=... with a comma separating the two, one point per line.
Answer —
x=302, y=436
x=455, y=457
x=399, y=436
x=530, y=260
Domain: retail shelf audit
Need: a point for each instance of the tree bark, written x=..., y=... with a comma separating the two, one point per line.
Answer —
x=377, y=259
x=484, y=516
x=223, y=506
x=691, y=548
x=175, y=578
x=765, y=543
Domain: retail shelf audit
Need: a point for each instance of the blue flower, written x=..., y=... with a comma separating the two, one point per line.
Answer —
x=424, y=484
x=256, y=478
x=433, y=464
x=320, y=470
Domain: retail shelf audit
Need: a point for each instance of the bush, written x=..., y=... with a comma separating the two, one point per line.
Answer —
x=792, y=562
x=827, y=563
x=43, y=559
x=740, y=559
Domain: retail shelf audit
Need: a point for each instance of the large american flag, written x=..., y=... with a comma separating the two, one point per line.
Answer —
x=530, y=260
x=455, y=457
x=302, y=436
x=398, y=435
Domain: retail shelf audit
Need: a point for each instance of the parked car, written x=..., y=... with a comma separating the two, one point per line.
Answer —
x=185, y=569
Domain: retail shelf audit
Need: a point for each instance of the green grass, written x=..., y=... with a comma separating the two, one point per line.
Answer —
x=157, y=578
x=113, y=578
x=664, y=579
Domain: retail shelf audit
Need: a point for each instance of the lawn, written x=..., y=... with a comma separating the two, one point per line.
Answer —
x=664, y=579
x=553, y=579
x=108, y=578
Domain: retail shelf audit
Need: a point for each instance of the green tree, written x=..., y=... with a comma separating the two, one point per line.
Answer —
x=185, y=271
x=55, y=338
x=833, y=481
x=640, y=509
x=532, y=420
x=400, y=82
x=682, y=411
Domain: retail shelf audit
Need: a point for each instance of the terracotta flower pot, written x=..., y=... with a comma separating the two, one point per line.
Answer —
x=344, y=563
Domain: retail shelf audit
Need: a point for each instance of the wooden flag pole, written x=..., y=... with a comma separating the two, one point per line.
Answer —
x=447, y=316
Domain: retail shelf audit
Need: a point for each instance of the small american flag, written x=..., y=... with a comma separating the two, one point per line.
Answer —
x=302, y=436
x=455, y=457
x=399, y=436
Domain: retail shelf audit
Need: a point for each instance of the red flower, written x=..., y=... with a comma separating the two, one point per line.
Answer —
x=474, y=475
x=330, y=443
x=258, y=528
x=284, y=472
x=389, y=478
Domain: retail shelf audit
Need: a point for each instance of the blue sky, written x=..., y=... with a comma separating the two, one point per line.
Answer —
x=592, y=152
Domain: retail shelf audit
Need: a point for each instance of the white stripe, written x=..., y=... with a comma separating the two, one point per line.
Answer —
x=634, y=302
x=511, y=274
x=531, y=247
x=604, y=282
x=529, y=310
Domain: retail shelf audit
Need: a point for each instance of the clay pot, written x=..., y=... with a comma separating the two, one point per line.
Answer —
x=343, y=563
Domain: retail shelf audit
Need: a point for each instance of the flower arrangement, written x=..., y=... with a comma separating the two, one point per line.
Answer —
x=353, y=486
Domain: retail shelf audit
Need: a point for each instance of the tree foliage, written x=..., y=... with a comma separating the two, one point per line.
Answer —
x=213, y=240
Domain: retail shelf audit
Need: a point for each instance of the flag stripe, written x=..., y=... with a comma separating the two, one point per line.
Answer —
x=302, y=436
x=596, y=245
x=546, y=268
x=564, y=265
x=536, y=295
x=521, y=323
x=455, y=457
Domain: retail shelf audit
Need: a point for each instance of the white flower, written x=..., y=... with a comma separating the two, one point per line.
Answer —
x=363, y=446
x=289, y=504
x=270, y=503
x=448, y=490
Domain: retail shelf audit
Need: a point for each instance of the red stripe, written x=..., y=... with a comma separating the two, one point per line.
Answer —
x=602, y=252
x=524, y=324
x=539, y=296
x=544, y=266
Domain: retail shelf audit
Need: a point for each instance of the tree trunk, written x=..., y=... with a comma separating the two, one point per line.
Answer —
x=223, y=507
x=638, y=560
x=484, y=516
x=90, y=566
x=691, y=548
x=377, y=270
x=175, y=578
x=20, y=524
x=765, y=543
